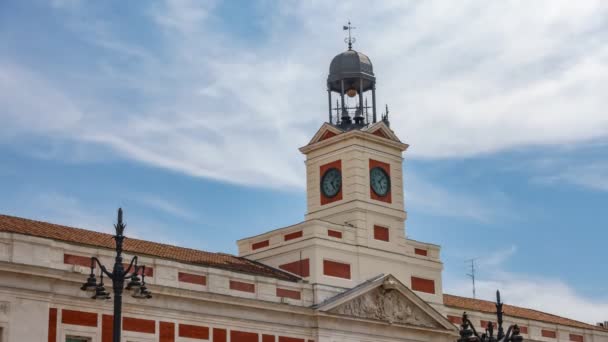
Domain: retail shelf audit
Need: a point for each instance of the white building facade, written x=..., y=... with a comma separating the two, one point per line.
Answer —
x=346, y=273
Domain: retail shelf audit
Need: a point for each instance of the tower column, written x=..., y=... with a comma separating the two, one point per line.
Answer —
x=344, y=112
x=361, y=95
x=374, y=101
x=329, y=104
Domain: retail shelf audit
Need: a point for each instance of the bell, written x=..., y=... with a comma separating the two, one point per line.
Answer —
x=352, y=92
x=91, y=283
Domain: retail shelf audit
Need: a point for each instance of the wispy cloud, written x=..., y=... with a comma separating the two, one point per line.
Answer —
x=166, y=206
x=462, y=80
x=593, y=175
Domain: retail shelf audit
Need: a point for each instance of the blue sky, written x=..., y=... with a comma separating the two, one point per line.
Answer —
x=189, y=114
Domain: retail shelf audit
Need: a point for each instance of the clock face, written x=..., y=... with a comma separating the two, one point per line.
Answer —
x=331, y=182
x=380, y=182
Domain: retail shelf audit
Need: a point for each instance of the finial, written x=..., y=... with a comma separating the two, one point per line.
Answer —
x=350, y=40
x=119, y=215
x=119, y=226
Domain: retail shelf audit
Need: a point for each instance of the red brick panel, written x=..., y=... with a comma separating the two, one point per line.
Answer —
x=288, y=293
x=338, y=165
x=192, y=278
x=290, y=339
x=576, y=338
x=241, y=336
x=523, y=329
x=334, y=233
x=455, y=319
x=268, y=338
x=88, y=319
x=52, y=325
x=421, y=251
x=381, y=233
x=166, y=330
x=293, y=235
x=77, y=260
x=107, y=324
x=301, y=267
x=423, y=285
x=219, y=335
x=193, y=331
x=260, y=244
x=240, y=286
x=327, y=135
x=548, y=333
x=149, y=270
x=336, y=269
x=387, y=168
x=139, y=325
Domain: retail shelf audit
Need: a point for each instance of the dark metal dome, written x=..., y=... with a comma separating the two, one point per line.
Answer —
x=349, y=66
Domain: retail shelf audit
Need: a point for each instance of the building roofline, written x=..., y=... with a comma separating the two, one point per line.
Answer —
x=42, y=229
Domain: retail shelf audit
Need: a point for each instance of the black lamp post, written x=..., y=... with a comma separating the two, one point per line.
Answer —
x=469, y=334
x=118, y=276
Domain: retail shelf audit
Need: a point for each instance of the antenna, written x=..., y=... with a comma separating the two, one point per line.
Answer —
x=472, y=274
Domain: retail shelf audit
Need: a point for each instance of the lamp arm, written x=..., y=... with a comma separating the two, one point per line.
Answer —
x=472, y=327
x=102, y=267
x=136, y=269
x=508, y=334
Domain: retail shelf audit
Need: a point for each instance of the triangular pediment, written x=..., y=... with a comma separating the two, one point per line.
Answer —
x=382, y=130
x=325, y=132
x=386, y=299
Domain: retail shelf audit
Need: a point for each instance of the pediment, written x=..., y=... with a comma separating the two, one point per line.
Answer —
x=382, y=130
x=325, y=132
x=387, y=300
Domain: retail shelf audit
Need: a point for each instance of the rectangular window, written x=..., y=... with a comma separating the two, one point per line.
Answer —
x=423, y=285
x=293, y=235
x=576, y=338
x=334, y=233
x=260, y=244
x=336, y=269
x=421, y=251
x=548, y=333
x=381, y=233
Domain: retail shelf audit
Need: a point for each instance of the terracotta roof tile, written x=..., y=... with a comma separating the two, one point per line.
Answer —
x=140, y=247
x=465, y=303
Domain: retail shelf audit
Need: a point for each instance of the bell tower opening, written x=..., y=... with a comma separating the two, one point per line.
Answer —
x=351, y=78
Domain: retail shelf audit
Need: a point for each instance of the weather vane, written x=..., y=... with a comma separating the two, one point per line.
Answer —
x=350, y=40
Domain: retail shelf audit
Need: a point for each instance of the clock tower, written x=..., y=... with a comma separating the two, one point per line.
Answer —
x=354, y=227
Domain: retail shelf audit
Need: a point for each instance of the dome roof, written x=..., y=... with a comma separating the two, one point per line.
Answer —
x=351, y=61
x=348, y=66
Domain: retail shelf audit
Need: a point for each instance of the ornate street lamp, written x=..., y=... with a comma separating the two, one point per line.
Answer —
x=469, y=334
x=118, y=276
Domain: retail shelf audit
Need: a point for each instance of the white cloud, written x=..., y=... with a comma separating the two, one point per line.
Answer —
x=551, y=295
x=462, y=79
